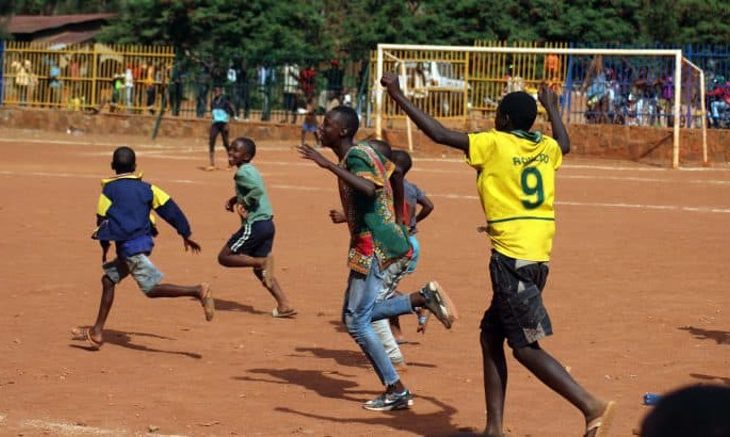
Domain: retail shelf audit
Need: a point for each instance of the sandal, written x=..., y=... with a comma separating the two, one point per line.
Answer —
x=207, y=301
x=601, y=423
x=83, y=333
x=284, y=314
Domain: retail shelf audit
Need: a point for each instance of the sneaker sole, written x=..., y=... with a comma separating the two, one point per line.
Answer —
x=397, y=406
x=445, y=303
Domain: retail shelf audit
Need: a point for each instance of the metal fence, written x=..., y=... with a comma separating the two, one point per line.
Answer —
x=134, y=79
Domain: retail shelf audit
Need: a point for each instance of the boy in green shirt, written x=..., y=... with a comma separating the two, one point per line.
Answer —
x=251, y=245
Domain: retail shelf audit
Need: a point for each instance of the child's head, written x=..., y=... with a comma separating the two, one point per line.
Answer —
x=382, y=147
x=124, y=160
x=517, y=110
x=402, y=160
x=241, y=151
x=339, y=123
x=695, y=410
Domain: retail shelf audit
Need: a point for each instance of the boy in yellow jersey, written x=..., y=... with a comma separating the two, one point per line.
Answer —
x=516, y=183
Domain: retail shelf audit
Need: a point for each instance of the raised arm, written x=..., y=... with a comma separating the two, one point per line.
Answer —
x=549, y=100
x=430, y=126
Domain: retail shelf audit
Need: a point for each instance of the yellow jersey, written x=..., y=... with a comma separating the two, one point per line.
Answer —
x=516, y=184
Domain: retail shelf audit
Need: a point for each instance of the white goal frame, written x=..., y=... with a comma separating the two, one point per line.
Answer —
x=383, y=49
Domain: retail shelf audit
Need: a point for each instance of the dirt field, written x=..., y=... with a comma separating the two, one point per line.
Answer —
x=636, y=297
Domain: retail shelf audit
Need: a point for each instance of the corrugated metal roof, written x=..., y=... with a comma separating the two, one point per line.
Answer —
x=35, y=23
x=69, y=38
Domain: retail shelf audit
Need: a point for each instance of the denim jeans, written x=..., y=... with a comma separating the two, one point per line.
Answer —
x=391, y=277
x=361, y=308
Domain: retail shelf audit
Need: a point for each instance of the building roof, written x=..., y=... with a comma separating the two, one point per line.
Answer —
x=69, y=37
x=24, y=24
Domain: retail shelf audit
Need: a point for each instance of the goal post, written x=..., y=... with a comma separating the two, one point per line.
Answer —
x=703, y=108
x=671, y=56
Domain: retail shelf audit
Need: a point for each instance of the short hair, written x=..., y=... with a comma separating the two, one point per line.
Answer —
x=402, y=160
x=381, y=146
x=349, y=117
x=696, y=410
x=247, y=144
x=521, y=109
x=124, y=160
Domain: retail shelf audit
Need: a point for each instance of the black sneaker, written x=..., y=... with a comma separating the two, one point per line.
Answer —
x=439, y=303
x=390, y=401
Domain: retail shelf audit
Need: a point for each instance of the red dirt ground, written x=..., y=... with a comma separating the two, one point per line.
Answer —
x=636, y=297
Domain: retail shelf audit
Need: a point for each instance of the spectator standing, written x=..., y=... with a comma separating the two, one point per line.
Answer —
x=265, y=81
x=128, y=87
x=22, y=79
x=203, y=85
x=54, y=83
x=150, y=87
x=334, y=76
x=307, y=78
x=242, y=95
x=117, y=89
x=291, y=78
x=174, y=87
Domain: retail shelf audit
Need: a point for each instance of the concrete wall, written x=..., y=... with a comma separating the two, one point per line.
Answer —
x=601, y=141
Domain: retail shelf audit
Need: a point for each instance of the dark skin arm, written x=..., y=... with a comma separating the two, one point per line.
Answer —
x=430, y=126
x=549, y=100
x=396, y=182
x=426, y=208
x=360, y=184
x=104, y=249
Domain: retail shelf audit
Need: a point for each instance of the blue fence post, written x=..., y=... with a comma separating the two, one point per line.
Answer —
x=2, y=69
x=568, y=88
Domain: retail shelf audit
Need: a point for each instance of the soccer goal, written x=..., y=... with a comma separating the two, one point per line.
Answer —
x=633, y=87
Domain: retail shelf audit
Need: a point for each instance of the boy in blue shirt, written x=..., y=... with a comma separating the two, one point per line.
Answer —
x=123, y=216
x=251, y=245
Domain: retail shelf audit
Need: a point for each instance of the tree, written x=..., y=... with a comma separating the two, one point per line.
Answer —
x=261, y=31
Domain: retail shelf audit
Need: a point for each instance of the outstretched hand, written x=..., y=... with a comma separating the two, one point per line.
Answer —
x=191, y=245
x=308, y=152
x=390, y=82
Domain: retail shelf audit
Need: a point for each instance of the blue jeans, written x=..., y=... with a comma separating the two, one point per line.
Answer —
x=361, y=309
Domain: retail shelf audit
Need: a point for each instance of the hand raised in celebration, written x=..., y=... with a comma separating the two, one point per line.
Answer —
x=547, y=97
x=390, y=81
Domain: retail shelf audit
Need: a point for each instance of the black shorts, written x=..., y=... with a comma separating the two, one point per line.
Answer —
x=253, y=239
x=517, y=312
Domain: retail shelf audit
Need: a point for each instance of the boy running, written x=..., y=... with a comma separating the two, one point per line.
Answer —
x=123, y=216
x=376, y=241
x=251, y=245
x=516, y=183
x=397, y=269
x=412, y=197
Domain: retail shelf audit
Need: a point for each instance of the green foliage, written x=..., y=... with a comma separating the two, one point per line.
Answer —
x=273, y=31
